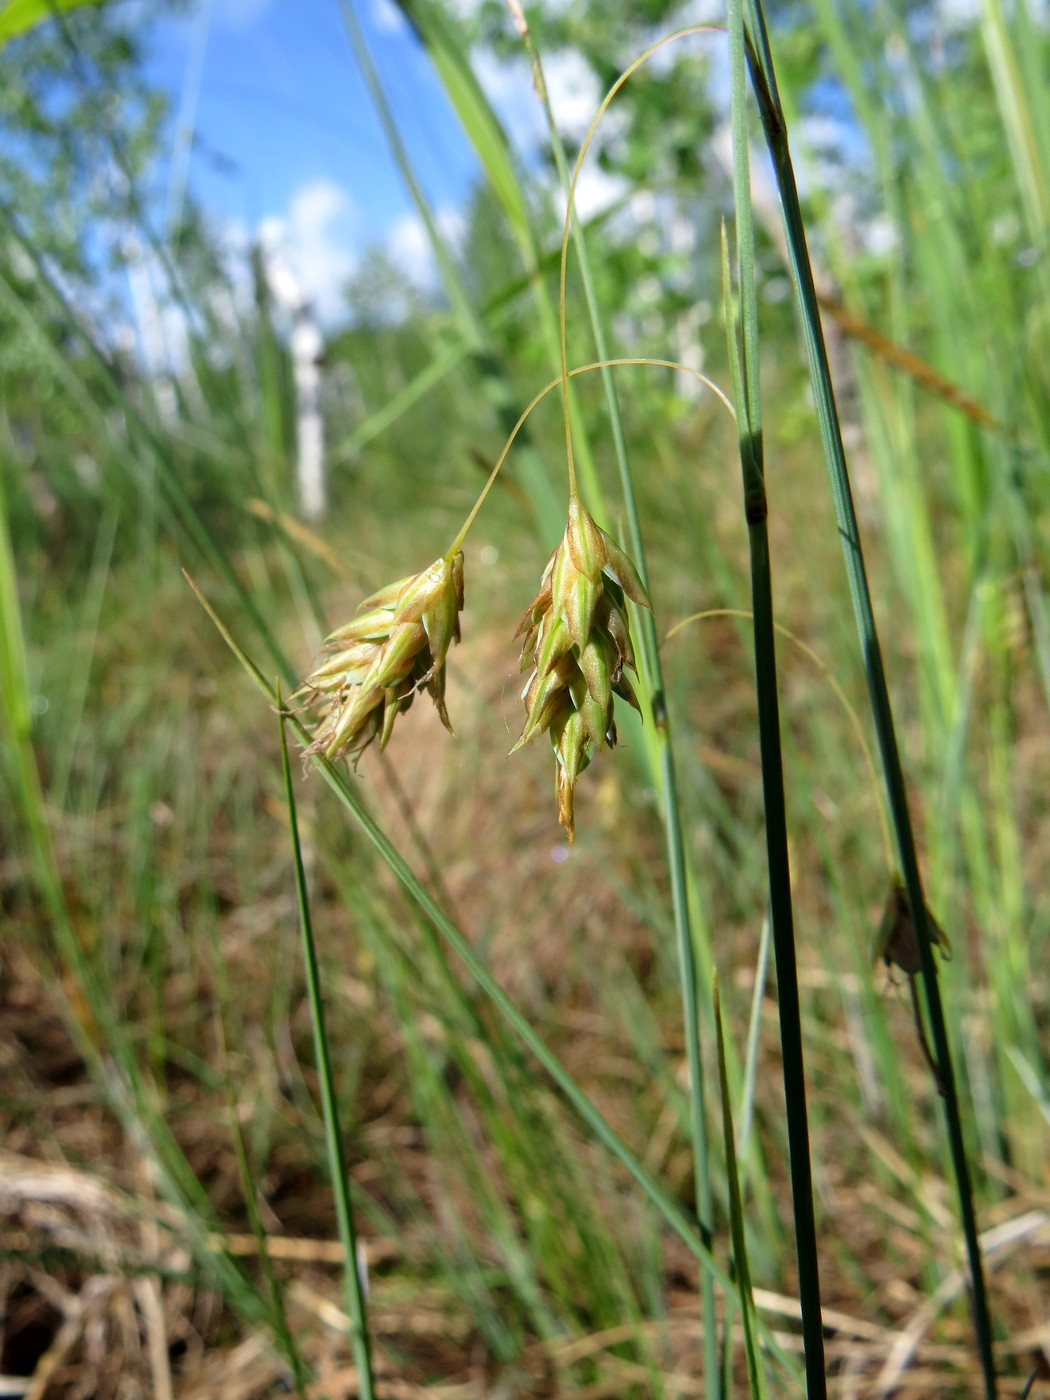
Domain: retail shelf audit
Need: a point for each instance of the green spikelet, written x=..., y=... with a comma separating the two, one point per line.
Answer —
x=576, y=644
x=373, y=665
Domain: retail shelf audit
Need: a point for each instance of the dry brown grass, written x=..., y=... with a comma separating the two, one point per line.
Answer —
x=99, y=1295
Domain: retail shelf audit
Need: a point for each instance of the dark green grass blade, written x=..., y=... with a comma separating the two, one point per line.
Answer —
x=360, y=1344
x=749, y=422
x=764, y=82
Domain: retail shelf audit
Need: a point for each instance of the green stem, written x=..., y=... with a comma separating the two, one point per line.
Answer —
x=782, y=920
x=457, y=543
x=355, y=1294
x=756, y=512
x=653, y=675
x=764, y=82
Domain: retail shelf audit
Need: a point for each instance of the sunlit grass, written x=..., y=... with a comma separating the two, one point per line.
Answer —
x=506, y=1058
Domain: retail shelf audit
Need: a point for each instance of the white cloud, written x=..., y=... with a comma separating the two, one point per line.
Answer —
x=575, y=97
x=710, y=44
x=958, y=14
x=508, y=86
x=387, y=18
x=571, y=85
x=407, y=245
x=160, y=331
x=311, y=248
x=822, y=132
x=573, y=91
x=596, y=189
x=239, y=15
x=880, y=236
x=698, y=12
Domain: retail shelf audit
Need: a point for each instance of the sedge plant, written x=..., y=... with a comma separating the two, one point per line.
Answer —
x=676, y=1217
x=764, y=82
x=744, y=366
x=369, y=675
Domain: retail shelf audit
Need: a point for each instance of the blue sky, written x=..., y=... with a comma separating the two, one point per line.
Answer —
x=287, y=149
x=287, y=145
x=271, y=88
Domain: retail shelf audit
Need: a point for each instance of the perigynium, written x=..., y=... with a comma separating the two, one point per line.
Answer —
x=896, y=942
x=576, y=639
x=372, y=666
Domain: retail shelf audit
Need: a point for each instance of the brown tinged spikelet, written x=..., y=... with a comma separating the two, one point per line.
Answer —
x=371, y=667
x=577, y=642
x=896, y=942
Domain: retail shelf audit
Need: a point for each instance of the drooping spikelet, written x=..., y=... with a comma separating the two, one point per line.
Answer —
x=372, y=667
x=577, y=641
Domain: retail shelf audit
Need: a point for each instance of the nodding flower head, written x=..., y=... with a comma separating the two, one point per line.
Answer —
x=576, y=645
x=371, y=668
